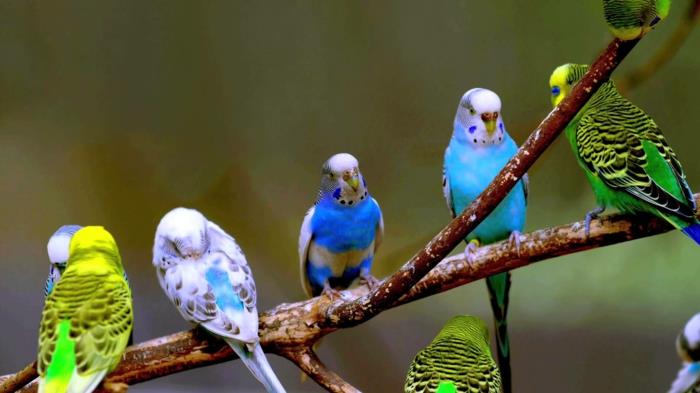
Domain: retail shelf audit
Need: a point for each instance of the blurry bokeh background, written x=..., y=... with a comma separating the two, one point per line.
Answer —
x=114, y=112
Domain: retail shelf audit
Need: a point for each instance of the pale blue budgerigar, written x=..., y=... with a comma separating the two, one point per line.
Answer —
x=688, y=347
x=342, y=231
x=479, y=148
x=58, y=249
x=204, y=273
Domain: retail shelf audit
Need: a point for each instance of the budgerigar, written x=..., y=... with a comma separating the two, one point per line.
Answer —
x=457, y=360
x=58, y=249
x=204, y=273
x=479, y=148
x=87, y=317
x=688, y=347
x=625, y=156
x=341, y=233
x=630, y=19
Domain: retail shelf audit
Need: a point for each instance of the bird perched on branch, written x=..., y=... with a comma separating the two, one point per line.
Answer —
x=625, y=156
x=87, y=316
x=479, y=148
x=688, y=347
x=204, y=273
x=341, y=233
x=630, y=19
x=457, y=360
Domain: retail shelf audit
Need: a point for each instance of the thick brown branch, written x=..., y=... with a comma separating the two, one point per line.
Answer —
x=289, y=327
x=308, y=362
x=666, y=51
x=349, y=314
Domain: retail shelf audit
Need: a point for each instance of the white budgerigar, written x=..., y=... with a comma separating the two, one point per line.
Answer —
x=205, y=274
x=688, y=347
x=58, y=250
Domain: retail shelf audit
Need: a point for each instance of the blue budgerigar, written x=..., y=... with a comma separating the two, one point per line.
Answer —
x=479, y=148
x=58, y=250
x=204, y=273
x=341, y=232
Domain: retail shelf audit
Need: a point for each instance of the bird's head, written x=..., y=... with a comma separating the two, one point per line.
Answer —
x=58, y=246
x=466, y=327
x=181, y=235
x=688, y=341
x=342, y=180
x=563, y=80
x=478, y=120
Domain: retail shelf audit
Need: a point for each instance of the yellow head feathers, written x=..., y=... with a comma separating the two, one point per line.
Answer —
x=563, y=80
x=92, y=240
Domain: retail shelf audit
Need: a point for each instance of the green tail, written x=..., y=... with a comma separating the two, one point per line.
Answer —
x=499, y=289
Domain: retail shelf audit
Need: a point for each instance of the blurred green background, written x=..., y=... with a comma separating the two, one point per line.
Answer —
x=114, y=112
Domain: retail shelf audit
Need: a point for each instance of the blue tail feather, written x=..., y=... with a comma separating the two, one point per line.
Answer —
x=693, y=232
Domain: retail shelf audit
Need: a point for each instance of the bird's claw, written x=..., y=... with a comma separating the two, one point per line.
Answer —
x=590, y=216
x=470, y=253
x=331, y=293
x=514, y=241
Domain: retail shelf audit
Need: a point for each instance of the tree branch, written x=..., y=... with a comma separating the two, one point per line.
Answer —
x=307, y=361
x=666, y=51
x=290, y=329
x=11, y=383
x=350, y=314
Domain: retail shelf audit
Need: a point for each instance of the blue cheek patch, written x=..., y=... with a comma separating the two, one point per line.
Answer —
x=472, y=129
x=336, y=193
x=556, y=90
x=364, y=182
x=501, y=127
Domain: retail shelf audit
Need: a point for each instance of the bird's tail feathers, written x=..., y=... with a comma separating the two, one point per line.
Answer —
x=499, y=295
x=257, y=363
x=693, y=232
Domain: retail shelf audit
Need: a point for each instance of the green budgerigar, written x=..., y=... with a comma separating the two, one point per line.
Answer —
x=630, y=19
x=458, y=360
x=87, y=317
x=625, y=156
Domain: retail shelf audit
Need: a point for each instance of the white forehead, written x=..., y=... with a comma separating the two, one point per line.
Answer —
x=342, y=162
x=182, y=222
x=482, y=100
x=692, y=330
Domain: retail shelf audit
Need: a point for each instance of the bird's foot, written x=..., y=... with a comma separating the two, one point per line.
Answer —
x=470, y=252
x=115, y=387
x=590, y=216
x=369, y=280
x=331, y=293
x=514, y=241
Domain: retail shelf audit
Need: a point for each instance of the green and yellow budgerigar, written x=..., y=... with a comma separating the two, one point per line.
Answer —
x=630, y=19
x=625, y=156
x=458, y=360
x=87, y=317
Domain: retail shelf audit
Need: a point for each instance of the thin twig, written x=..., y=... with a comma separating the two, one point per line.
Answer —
x=13, y=382
x=288, y=327
x=666, y=51
x=308, y=362
x=349, y=314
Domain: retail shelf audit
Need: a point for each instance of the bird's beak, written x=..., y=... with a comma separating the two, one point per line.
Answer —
x=354, y=182
x=489, y=120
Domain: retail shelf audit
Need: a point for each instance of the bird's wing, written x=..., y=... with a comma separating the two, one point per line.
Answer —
x=222, y=241
x=99, y=313
x=305, y=236
x=447, y=192
x=379, y=234
x=525, y=182
x=421, y=376
x=613, y=145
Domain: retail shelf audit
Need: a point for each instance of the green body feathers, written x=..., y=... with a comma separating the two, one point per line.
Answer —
x=630, y=19
x=458, y=360
x=624, y=154
x=87, y=318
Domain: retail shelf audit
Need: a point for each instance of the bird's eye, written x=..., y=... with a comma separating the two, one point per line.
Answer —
x=556, y=90
x=472, y=111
